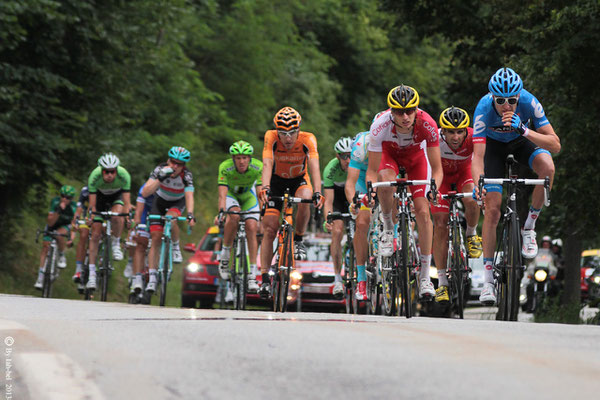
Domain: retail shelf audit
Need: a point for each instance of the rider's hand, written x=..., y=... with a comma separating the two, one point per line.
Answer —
x=515, y=122
x=264, y=194
x=435, y=200
x=353, y=209
x=164, y=173
x=318, y=199
x=191, y=220
x=327, y=227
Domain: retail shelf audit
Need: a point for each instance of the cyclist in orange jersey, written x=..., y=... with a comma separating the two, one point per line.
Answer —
x=289, y=155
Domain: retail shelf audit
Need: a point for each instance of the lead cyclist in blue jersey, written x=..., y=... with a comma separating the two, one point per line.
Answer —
x=509, y=120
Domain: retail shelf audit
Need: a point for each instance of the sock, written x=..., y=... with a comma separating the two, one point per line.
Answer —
x=425, y=264
x=337, y=278
x=471, y=230
x=297, y=238
x=93, y=269
x=531, y=218
x=225, y=252
x=442, y=277
x=253, y=270
x=175, y=244
x=388, y=224
x=116, y=241
x=78, y=266
x=362, y=273
x=488, y=274
x=153, y=273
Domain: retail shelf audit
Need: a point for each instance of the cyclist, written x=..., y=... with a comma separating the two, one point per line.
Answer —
x=396, y=136
x=456, y=148
x=109, y=186
x=287, y=153
x=356, y=181
x=509, y=120
x=334, y=180
x=174, y=187
x=141, y=238
x=60, y=215
x=84, y=232
x=238, y=176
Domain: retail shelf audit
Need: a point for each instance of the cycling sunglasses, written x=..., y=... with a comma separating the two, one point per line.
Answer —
x=287, y=133
x=66, y=197
x=344, y=156
x=109, y=171
x=501, y=100
x=176, y=162
x=402, y=111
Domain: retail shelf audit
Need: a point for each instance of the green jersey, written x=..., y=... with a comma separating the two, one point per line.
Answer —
x=64, y=216
x=96, y=183
x=334, y=175
x=237, y=183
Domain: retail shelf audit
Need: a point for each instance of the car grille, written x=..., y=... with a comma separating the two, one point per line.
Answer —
x=317, y=296
x=197, y=287
x=309, y=278
x=212, y=270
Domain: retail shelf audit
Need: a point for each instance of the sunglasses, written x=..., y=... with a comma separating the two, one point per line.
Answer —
x=344, y=156
x=66, y=197
x=109, y=171
x=402, y=111
x=176, y=162
x=501, y=100
x=287, y=133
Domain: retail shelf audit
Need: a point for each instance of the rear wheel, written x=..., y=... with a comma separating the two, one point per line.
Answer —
x=373, y=304
x=164, y=272
x=388, y=286
x=287, y=270
x=48, y=267
x=516, y=270
x=459, y=270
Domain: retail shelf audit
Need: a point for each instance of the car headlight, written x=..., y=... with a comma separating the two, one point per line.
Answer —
x=541, y=275
x=597, y=279
x=296, y=275
x=193, y=267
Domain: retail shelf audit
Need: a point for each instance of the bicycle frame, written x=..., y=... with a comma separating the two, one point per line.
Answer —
x=50, y=269
x=348, y=259
x=105, y=245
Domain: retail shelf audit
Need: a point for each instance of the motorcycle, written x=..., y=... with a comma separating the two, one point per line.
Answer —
x=540, y=275
x=594, y=288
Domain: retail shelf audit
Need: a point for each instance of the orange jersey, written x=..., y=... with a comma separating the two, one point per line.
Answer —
x=290, y=163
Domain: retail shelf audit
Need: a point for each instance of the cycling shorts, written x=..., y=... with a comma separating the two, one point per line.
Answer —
x=280, y=185
x=247, y=201
x=161, y=206
x=340, y=203
x=55, y=228
x=414, y=163
x=459, y=179
x=524, y=150
x=106, y=202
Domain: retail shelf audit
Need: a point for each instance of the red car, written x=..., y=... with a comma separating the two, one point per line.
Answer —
x=201, y=273
x=590, y=259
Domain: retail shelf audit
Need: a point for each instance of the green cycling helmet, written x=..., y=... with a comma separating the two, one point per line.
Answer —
x=67, y=191
x=241, y=148
x=179, y=153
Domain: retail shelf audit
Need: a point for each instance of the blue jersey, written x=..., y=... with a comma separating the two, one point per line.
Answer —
x=359, y=159
x=488, y=123
x=147, y=202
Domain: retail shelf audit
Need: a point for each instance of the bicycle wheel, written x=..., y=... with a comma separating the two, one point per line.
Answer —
x=105, y=270
x=48, y=272
x=243, y=268
x=234, y=275
x=287, y=270
x=515, y=269
x=388, y=286
x=373, y=306
x=404, y=267
x=164, y=270
x=276, y=280
x=503, y=313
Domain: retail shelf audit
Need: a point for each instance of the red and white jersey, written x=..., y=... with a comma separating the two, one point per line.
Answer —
x=455, y=160
x=383, y=133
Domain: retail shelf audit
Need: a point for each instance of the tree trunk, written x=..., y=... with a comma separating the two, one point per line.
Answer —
x=572, y=257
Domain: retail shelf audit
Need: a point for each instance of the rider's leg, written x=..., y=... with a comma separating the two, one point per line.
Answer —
x=303, y=215
x=81, y=248
x=337, y=233
x=269, y=223
x=543, y=166
x=386, y=197
x=493, y=202
x=425, y=234
x=440, y=245
x=251, y=231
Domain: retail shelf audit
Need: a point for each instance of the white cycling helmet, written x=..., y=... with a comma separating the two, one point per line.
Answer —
x=108, y=161
x=344, y=145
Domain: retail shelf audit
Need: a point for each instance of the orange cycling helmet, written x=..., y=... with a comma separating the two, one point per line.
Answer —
x=287, y=119
x=403, y=97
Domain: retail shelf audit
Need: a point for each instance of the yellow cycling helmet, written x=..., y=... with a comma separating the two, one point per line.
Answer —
x=403, y=97
x=454, y=118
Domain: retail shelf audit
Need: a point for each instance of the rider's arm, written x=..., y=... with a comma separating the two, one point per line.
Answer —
x=267, y=171
x=222, y=196
x=351, y=179
x=329, y=194
x=150, y=187
x=545, y=137
x=315, y=173
x=189, y=201
x=127, y=202
x=477, y=161
x=435, y=160
x=93, y=202
x=139, y=210
x=374, y=161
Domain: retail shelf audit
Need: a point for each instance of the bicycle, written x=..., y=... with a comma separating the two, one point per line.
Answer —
x=508, y=271
x=457, y=265
x=285, y=251
x=398, y=272
x=50, y=268
x=374, y=263
x=143, y=297
x=165, y=261
x=350, y=272
x=239, y=268
x=104, y=251
x=85, y=271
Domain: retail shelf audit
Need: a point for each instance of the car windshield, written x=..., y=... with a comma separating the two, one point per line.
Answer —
x=590, y=261
x=317, y=252
x=210, y=242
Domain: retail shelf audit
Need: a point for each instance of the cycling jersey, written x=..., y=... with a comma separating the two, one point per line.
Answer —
x=146, y=202
x=334, y=175
x=291, y=163
x=121, y=183
x=488, y=122
x=455, y=160
x=359, y=159
x=237, y=182
x=84, y=199
x=173, y=189
x=64, y=216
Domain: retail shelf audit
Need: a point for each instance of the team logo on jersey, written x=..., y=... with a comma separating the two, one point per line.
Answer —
x=479, y=125
x=431, y=129
x=538, y=110
x=381, y=127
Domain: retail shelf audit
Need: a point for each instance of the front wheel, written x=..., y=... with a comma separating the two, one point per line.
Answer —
x=48, y=272
x=164, y=272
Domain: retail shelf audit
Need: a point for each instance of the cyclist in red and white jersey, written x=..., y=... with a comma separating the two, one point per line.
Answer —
x=396, y=138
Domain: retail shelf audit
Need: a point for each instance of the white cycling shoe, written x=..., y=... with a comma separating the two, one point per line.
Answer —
x=39, y=283
x=386, y=243
x=177, y=257
x=128, y=271
x=252, y=285
x=530, y=246
x=117, y=252
x=338, y=289
x=488, y=294
x=137, y=284
x=151, y=287
x=426, y=289
x=224, y=269
x=62, y=261
x=91, y=283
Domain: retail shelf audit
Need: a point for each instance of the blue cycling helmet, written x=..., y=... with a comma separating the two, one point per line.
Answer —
x=179, y=153
x=505, y=83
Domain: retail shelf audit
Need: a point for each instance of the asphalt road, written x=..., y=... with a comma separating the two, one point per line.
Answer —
x=67, y=349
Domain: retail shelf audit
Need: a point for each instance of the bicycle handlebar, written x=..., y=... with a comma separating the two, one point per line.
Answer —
x=456, y=195
x=109, y=214
x=292, y=200
x=52, y=234
x=518, y=181
x=166, y=217
x=332, y=216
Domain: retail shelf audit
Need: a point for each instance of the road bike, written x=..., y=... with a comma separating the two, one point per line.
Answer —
x=85, y=269
x=349, y=261
x=509, y=268
x=50, y=268
x=165, y=261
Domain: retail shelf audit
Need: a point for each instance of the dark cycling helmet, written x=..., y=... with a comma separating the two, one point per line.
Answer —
x=108, y=161
x=67, y=191
x=179, y=154
x=287, y=119
x=454, y=118
x=403, y=97
x=241, y=148
x=505, y=83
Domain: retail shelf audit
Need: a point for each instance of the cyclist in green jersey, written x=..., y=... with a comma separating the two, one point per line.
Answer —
x=240, y=178
x=60, y=215
x=109, y=185
x=334, y=181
